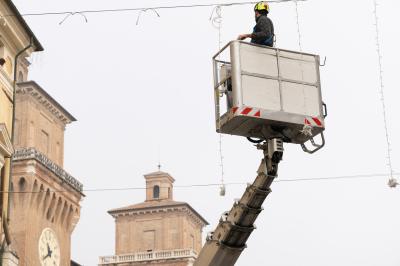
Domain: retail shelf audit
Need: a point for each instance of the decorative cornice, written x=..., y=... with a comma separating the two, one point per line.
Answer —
x=31, y=153
x=159, y=175
x=185, y=208
x=41, y=96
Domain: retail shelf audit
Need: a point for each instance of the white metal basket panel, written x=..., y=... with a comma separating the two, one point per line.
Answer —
x=257, y=60
x=300, y=99
x=298, y=70
x=261, y=93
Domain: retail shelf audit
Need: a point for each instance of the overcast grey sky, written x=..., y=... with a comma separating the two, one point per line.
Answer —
x=136, y=90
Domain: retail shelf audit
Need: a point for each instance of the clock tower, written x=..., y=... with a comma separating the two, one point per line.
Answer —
x=45, y=206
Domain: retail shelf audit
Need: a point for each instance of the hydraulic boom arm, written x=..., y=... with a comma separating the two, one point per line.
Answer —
x=224, y=246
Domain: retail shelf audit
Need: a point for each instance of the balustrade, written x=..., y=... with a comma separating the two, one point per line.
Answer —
x=147, y=256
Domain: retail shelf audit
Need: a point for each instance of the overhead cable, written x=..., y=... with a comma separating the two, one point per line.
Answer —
x=285, y=180
x=72, y=14
x=145, y=8
x=216, y=20
x=392, y=181
x=298, y=26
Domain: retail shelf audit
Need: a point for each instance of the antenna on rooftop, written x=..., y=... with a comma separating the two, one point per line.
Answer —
x=159, y=159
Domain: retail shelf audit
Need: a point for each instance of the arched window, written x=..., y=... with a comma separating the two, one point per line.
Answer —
x=156, y=192
x=22, y=184
x=22, y=188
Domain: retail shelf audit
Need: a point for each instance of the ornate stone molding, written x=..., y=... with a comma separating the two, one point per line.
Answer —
x=42, y=97
x=32, y=153
x=6, y=148
x=178, y=208
x=6, y=83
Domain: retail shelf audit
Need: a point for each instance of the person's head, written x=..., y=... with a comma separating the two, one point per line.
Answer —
x=261, y=8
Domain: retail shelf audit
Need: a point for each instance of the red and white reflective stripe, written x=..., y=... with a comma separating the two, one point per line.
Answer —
x=249, y=111
x=313, y=121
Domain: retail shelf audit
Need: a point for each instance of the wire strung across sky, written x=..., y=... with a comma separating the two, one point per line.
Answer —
x=392, y=182
x=285, y=180
x=216, y=20
x=298, y=25
x=147, y=8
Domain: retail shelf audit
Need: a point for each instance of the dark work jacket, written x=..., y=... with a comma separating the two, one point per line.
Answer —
x=263, y=32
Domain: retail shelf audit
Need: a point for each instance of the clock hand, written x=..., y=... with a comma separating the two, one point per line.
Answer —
x=49, y=251
x=48, y=255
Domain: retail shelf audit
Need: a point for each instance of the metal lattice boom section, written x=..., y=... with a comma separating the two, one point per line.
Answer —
x=226, y=243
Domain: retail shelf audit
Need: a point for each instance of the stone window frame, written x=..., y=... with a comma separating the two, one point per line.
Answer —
x=156, y=192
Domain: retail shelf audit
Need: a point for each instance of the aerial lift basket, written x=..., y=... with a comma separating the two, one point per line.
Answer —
x=268, y=93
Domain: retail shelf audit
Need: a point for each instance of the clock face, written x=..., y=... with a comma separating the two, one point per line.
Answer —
x=49, y=249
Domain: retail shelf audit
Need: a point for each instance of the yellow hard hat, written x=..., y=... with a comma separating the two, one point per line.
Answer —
x=261, y=6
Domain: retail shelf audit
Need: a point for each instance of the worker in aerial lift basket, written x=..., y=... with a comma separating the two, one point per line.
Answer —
x=263, y=31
